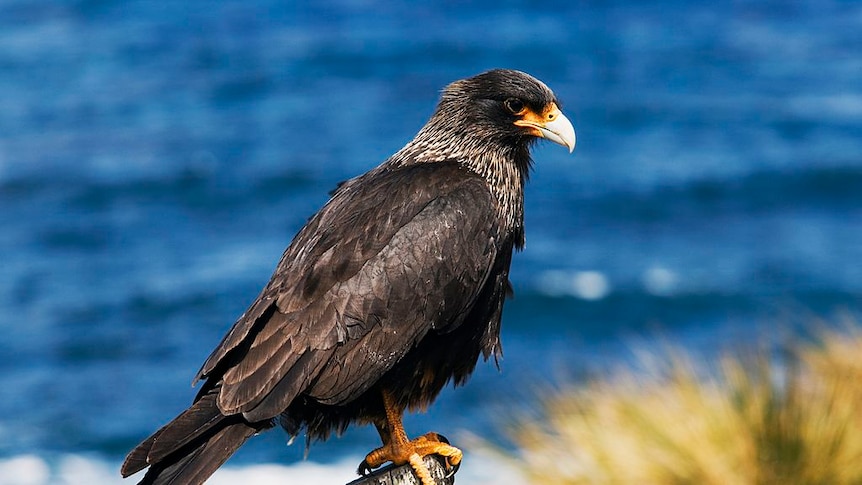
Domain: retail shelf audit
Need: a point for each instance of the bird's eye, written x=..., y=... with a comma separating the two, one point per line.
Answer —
x=515, y=105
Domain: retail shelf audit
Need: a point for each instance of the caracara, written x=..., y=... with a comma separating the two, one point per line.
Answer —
x=392, y=290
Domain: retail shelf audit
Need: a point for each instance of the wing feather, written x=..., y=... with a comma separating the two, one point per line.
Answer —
x=382, y=264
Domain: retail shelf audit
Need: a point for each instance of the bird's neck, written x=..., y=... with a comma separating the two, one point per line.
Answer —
x=504, y=166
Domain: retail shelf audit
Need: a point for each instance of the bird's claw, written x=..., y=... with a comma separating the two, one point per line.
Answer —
x=413, y=453
x=364, y=469
x=451, y=470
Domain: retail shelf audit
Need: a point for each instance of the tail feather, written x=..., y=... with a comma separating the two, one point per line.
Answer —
x=203, y=415
x=194, y=463
x=137, y=458
x=191, y=447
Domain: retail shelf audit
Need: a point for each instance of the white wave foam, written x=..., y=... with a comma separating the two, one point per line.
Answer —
x=660, y=281
x=305, y=472
x=479, y=469
x=586, y=285
x=24, y=470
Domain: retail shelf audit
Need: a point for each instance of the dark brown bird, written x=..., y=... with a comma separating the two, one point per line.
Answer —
x=393, y=289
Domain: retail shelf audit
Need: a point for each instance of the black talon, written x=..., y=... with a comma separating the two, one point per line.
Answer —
x=452, y=469
x=449, y=467
x=364, y=469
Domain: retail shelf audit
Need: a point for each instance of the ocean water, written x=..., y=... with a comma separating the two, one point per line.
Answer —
x=157, y=156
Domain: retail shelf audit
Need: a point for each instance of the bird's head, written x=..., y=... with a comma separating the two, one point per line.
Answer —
x=507, y=106
x=488, y=123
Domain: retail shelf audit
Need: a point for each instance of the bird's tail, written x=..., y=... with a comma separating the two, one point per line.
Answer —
x=190, y=448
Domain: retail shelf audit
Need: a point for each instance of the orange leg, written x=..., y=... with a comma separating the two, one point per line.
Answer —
x=398, y=449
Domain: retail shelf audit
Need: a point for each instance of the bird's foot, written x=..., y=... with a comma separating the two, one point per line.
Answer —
x=413, y=452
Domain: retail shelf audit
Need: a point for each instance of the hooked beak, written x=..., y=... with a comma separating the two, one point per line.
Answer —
x=551, y=124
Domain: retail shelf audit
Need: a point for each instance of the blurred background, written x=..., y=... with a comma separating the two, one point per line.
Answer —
x=156, y=157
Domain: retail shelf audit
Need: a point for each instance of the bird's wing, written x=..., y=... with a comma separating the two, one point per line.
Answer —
x=387, y=260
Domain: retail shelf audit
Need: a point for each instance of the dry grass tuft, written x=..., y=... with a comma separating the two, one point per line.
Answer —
x=751, y=420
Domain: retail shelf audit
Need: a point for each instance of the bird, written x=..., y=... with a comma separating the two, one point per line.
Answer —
x=391, y=291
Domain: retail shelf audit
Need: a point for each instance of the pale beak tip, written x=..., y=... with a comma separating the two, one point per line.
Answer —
x=560, y=131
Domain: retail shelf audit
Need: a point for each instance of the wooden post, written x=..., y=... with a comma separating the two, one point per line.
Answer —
x=403, y=475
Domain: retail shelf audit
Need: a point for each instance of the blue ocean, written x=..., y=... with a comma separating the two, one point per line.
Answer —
x=157, y=156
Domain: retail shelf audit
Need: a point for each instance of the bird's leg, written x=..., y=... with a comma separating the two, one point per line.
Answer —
x=398, y=449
